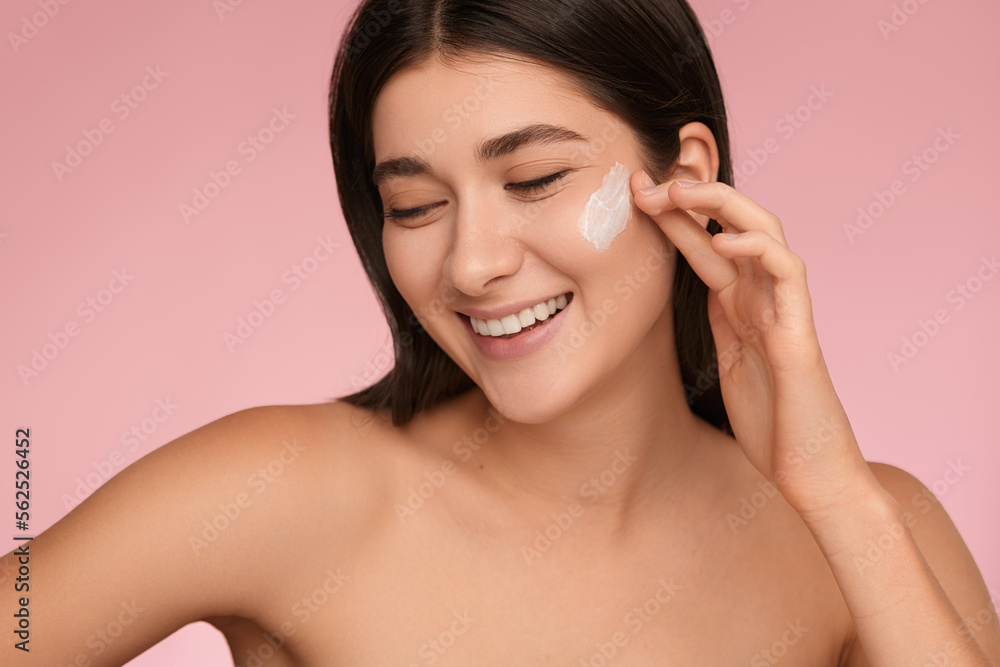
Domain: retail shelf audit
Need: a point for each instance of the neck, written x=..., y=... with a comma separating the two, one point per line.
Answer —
x=626, y=445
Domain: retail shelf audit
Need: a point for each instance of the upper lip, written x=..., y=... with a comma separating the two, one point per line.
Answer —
x=510, y=309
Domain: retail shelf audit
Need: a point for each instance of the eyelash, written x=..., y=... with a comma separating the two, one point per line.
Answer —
x=537, y=185
x=526, y=188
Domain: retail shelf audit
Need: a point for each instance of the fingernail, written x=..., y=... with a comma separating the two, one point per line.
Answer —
x=649, y=183
x=686, y=184
x=730, y=236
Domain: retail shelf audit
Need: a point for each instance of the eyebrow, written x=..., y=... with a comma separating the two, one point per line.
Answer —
x=537, y=134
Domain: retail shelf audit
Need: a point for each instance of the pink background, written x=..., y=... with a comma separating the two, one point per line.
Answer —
x=162, y=336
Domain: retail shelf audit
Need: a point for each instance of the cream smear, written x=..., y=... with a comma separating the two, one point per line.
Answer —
x=609, y=209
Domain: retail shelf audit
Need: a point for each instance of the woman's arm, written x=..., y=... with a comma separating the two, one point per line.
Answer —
x=900, y=541
x=907, y=578
x=135, y=561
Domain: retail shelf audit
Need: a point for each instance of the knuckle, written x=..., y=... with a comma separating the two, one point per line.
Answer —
x=799, y=263
x=722, y=192
x=718, y=193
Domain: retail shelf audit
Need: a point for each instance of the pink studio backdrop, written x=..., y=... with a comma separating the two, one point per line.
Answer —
x=831, y=111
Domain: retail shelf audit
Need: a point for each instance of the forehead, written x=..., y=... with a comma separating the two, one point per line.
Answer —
x=436, y=103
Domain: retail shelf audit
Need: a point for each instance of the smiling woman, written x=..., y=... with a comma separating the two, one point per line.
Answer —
x=540, y=192
x=664, y=90
x=480, y=240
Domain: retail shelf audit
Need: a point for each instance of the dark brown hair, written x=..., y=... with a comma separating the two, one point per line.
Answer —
x=645, y=60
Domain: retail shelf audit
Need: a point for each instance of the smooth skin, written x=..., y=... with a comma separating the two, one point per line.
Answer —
x=569, y=509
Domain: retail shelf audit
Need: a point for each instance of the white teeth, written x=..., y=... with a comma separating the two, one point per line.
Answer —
x=512, y=324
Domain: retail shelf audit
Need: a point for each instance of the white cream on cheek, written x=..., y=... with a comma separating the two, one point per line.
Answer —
x=609, y=209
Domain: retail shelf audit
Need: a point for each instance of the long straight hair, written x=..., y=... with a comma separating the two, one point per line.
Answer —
x=646, y=61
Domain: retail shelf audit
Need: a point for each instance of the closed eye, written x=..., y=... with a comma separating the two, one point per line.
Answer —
x=532, y=187
x=537, y=185
x=402, y=214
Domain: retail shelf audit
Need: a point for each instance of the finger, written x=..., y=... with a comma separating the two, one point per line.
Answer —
x=654, y=199
x=787, y=270
x=728, y=345
x=650, y=196
x=691, y=239
x=726, y=205
x=776, y=259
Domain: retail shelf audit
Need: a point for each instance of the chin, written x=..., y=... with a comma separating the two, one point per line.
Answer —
x=524, y=412
x=527, y=402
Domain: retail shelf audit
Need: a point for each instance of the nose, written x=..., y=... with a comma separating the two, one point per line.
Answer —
x=484, y=248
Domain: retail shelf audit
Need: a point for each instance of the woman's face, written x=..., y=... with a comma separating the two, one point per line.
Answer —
x=486, y=168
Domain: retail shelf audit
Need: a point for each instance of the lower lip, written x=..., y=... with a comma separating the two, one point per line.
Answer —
x=521, y=345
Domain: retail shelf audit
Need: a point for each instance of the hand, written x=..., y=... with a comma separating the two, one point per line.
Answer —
x=777, y=390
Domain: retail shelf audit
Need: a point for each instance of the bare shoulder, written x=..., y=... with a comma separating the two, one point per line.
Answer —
x=925, y=516
x=197, y=528
x=945, y=552
x=286, y=477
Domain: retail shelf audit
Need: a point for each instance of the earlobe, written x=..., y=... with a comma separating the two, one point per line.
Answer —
x=699, y=155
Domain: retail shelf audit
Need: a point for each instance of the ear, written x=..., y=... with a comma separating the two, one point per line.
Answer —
x=698, y=159
x=699, y=156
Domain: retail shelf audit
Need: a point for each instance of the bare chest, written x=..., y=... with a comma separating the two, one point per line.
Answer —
x=434, y=593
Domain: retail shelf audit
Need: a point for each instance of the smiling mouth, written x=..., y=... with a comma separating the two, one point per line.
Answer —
x=498, y=328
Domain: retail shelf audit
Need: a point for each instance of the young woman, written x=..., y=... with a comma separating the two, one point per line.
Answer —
x=541, y=195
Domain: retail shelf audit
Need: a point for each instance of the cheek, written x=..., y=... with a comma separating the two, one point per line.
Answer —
x=608, y=211
x=412, y=279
